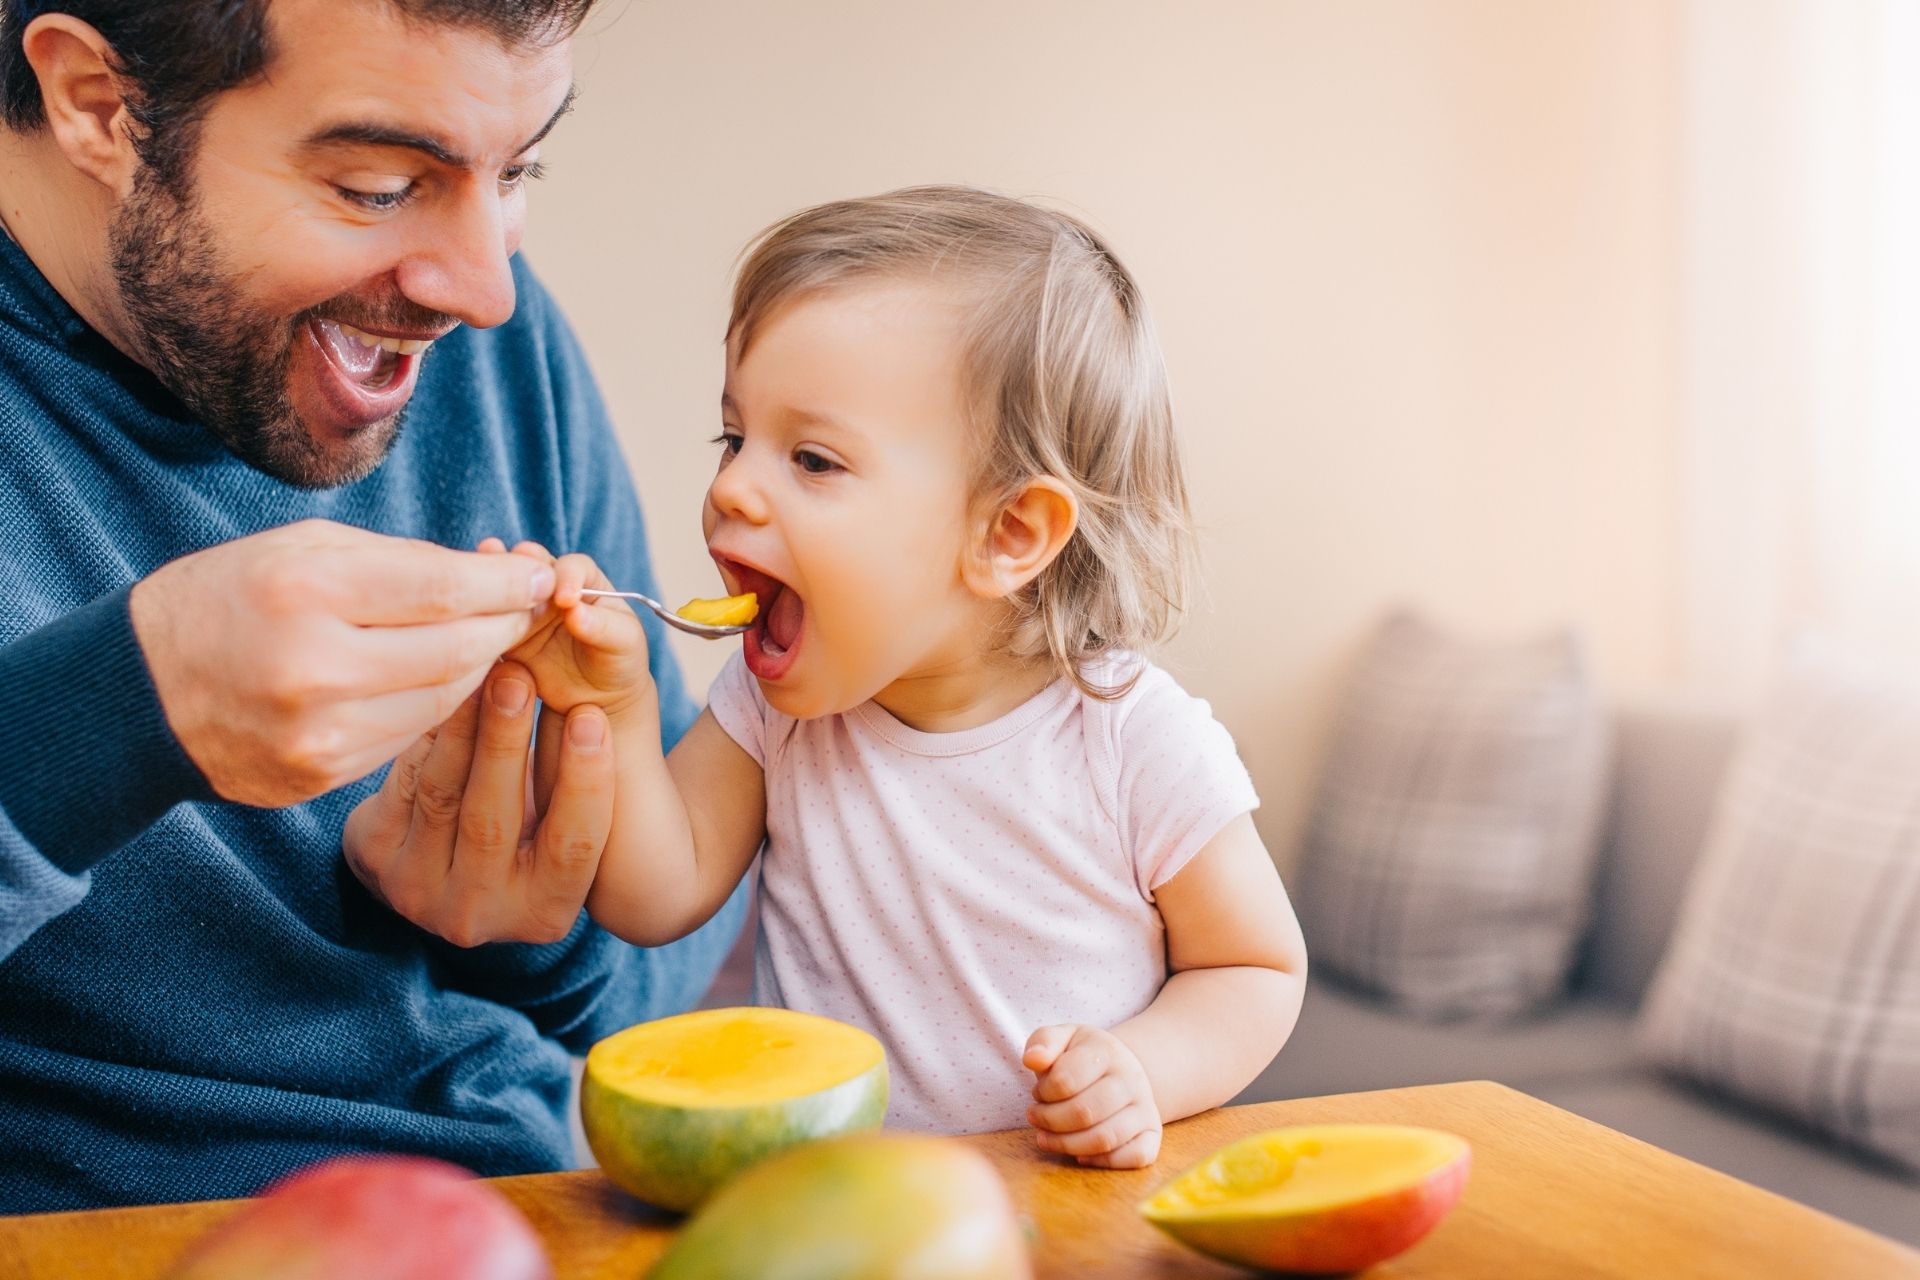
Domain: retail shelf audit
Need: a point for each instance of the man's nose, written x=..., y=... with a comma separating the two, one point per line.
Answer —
x=461, y=264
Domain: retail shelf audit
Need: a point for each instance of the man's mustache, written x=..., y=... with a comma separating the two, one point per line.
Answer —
x=394, y=313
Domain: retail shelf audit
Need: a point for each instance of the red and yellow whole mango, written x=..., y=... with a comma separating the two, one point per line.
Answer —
x=372, y=1218
x=876, y=1206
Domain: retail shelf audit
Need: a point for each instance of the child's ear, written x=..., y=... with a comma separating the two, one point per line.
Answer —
x=1021, y=538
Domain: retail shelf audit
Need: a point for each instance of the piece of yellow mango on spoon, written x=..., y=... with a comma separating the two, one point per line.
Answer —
x=733, y=611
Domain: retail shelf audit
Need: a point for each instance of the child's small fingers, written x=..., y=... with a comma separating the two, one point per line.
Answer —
x=1136, y=1153
x=570, y=573
x=1084, y=1060
x=1110, y=1135
x=543, y=627
x=528, y=547
x=1108, y=1096
x=615, y=630
x=491, y=547
x=1044, y=1045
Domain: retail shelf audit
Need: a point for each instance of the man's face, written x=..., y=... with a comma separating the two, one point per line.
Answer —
x=356, y=203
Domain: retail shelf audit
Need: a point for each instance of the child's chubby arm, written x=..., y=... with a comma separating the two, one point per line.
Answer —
x=1239, y=968
x=685, y=829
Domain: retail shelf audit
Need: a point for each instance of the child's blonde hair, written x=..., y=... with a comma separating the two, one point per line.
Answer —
x=1065, y=379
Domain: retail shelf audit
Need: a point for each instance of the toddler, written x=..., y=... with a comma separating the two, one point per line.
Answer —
x=989, y=830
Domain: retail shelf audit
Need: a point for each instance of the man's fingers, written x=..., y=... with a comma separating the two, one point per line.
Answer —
x=400, y=583
x=579, y=817
x=417, y=657
x=496, y=789
x=1106, y=1097
x=378, y=825
x=440, y=786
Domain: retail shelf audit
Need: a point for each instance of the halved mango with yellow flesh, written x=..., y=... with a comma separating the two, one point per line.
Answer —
x=1315, y=1198
x=732, y=611
x=676, y=1107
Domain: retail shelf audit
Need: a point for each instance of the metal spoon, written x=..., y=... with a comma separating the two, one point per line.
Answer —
x=672, y=619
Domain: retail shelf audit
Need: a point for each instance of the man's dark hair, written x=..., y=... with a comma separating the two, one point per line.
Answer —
x=178, y=54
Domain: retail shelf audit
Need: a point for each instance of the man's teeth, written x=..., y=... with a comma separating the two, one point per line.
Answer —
x=399, y=346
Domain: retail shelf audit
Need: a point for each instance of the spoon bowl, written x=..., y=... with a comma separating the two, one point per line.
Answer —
x=705, y=630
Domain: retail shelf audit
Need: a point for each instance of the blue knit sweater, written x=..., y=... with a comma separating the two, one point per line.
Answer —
x=195, y=996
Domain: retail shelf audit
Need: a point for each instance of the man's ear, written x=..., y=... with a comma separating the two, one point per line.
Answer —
x=1014, y=543
x=84, y=97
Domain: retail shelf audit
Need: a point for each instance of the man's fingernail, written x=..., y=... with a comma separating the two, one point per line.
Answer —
x=510, y=695
x=542, y=589
x=586, y=732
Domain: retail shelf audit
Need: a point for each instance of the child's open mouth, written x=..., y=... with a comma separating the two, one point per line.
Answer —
x=774, y=641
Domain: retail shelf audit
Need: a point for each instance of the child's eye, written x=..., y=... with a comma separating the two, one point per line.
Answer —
x=814, y=464
x=729, y=442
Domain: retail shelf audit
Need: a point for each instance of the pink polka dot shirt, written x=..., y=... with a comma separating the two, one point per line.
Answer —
x=952, y=892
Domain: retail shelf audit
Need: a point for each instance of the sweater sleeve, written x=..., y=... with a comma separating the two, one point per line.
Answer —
x=91, y=762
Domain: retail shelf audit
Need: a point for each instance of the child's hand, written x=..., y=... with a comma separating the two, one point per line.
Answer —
x=582, y=651
x=1092, y=1098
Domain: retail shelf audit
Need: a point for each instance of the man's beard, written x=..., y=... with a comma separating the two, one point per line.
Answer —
x=224, y=358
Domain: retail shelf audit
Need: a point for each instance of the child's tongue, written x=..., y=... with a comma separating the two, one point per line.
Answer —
x=783, y=619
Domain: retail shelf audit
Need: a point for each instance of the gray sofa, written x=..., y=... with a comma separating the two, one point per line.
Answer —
x=1580, y=1054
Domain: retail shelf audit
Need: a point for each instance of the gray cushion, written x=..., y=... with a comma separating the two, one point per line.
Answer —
x=1793, y=978
x=1448, y=861
x=1346, y=1041
x=1750, y=1147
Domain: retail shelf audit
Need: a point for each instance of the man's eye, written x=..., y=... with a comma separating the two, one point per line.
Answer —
x=519, y=175
x=378, y=201
x=814, y=464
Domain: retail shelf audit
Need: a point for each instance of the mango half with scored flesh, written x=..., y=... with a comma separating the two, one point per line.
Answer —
x=733, y=611
x=676, y=1107
x=1315, y=1198
x=873, y=1206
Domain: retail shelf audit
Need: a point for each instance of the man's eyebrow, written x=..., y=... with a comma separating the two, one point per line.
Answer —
x=367, y=133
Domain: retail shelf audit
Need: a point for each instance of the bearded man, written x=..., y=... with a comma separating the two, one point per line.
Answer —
x=266, y=357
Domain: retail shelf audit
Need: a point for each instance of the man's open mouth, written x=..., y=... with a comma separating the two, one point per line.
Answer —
x=371, y=362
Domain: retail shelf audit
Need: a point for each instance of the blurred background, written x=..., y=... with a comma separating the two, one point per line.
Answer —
x=1523, y=311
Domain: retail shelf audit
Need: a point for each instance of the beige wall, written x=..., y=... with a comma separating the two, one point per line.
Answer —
x=1411, y=262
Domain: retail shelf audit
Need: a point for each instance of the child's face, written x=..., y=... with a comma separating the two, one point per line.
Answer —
x=841, y=496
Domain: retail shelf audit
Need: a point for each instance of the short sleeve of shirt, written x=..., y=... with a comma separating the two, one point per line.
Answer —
x=1178, y=777
x=740, y=708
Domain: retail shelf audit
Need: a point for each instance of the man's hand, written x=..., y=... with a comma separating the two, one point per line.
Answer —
x=297, y=660
x=451, y=840
x=1092, y=1098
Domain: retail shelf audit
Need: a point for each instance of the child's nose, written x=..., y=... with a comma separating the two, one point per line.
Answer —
x=735, y=495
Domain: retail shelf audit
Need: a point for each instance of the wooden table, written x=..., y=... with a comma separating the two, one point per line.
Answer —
x=1551, y=1195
